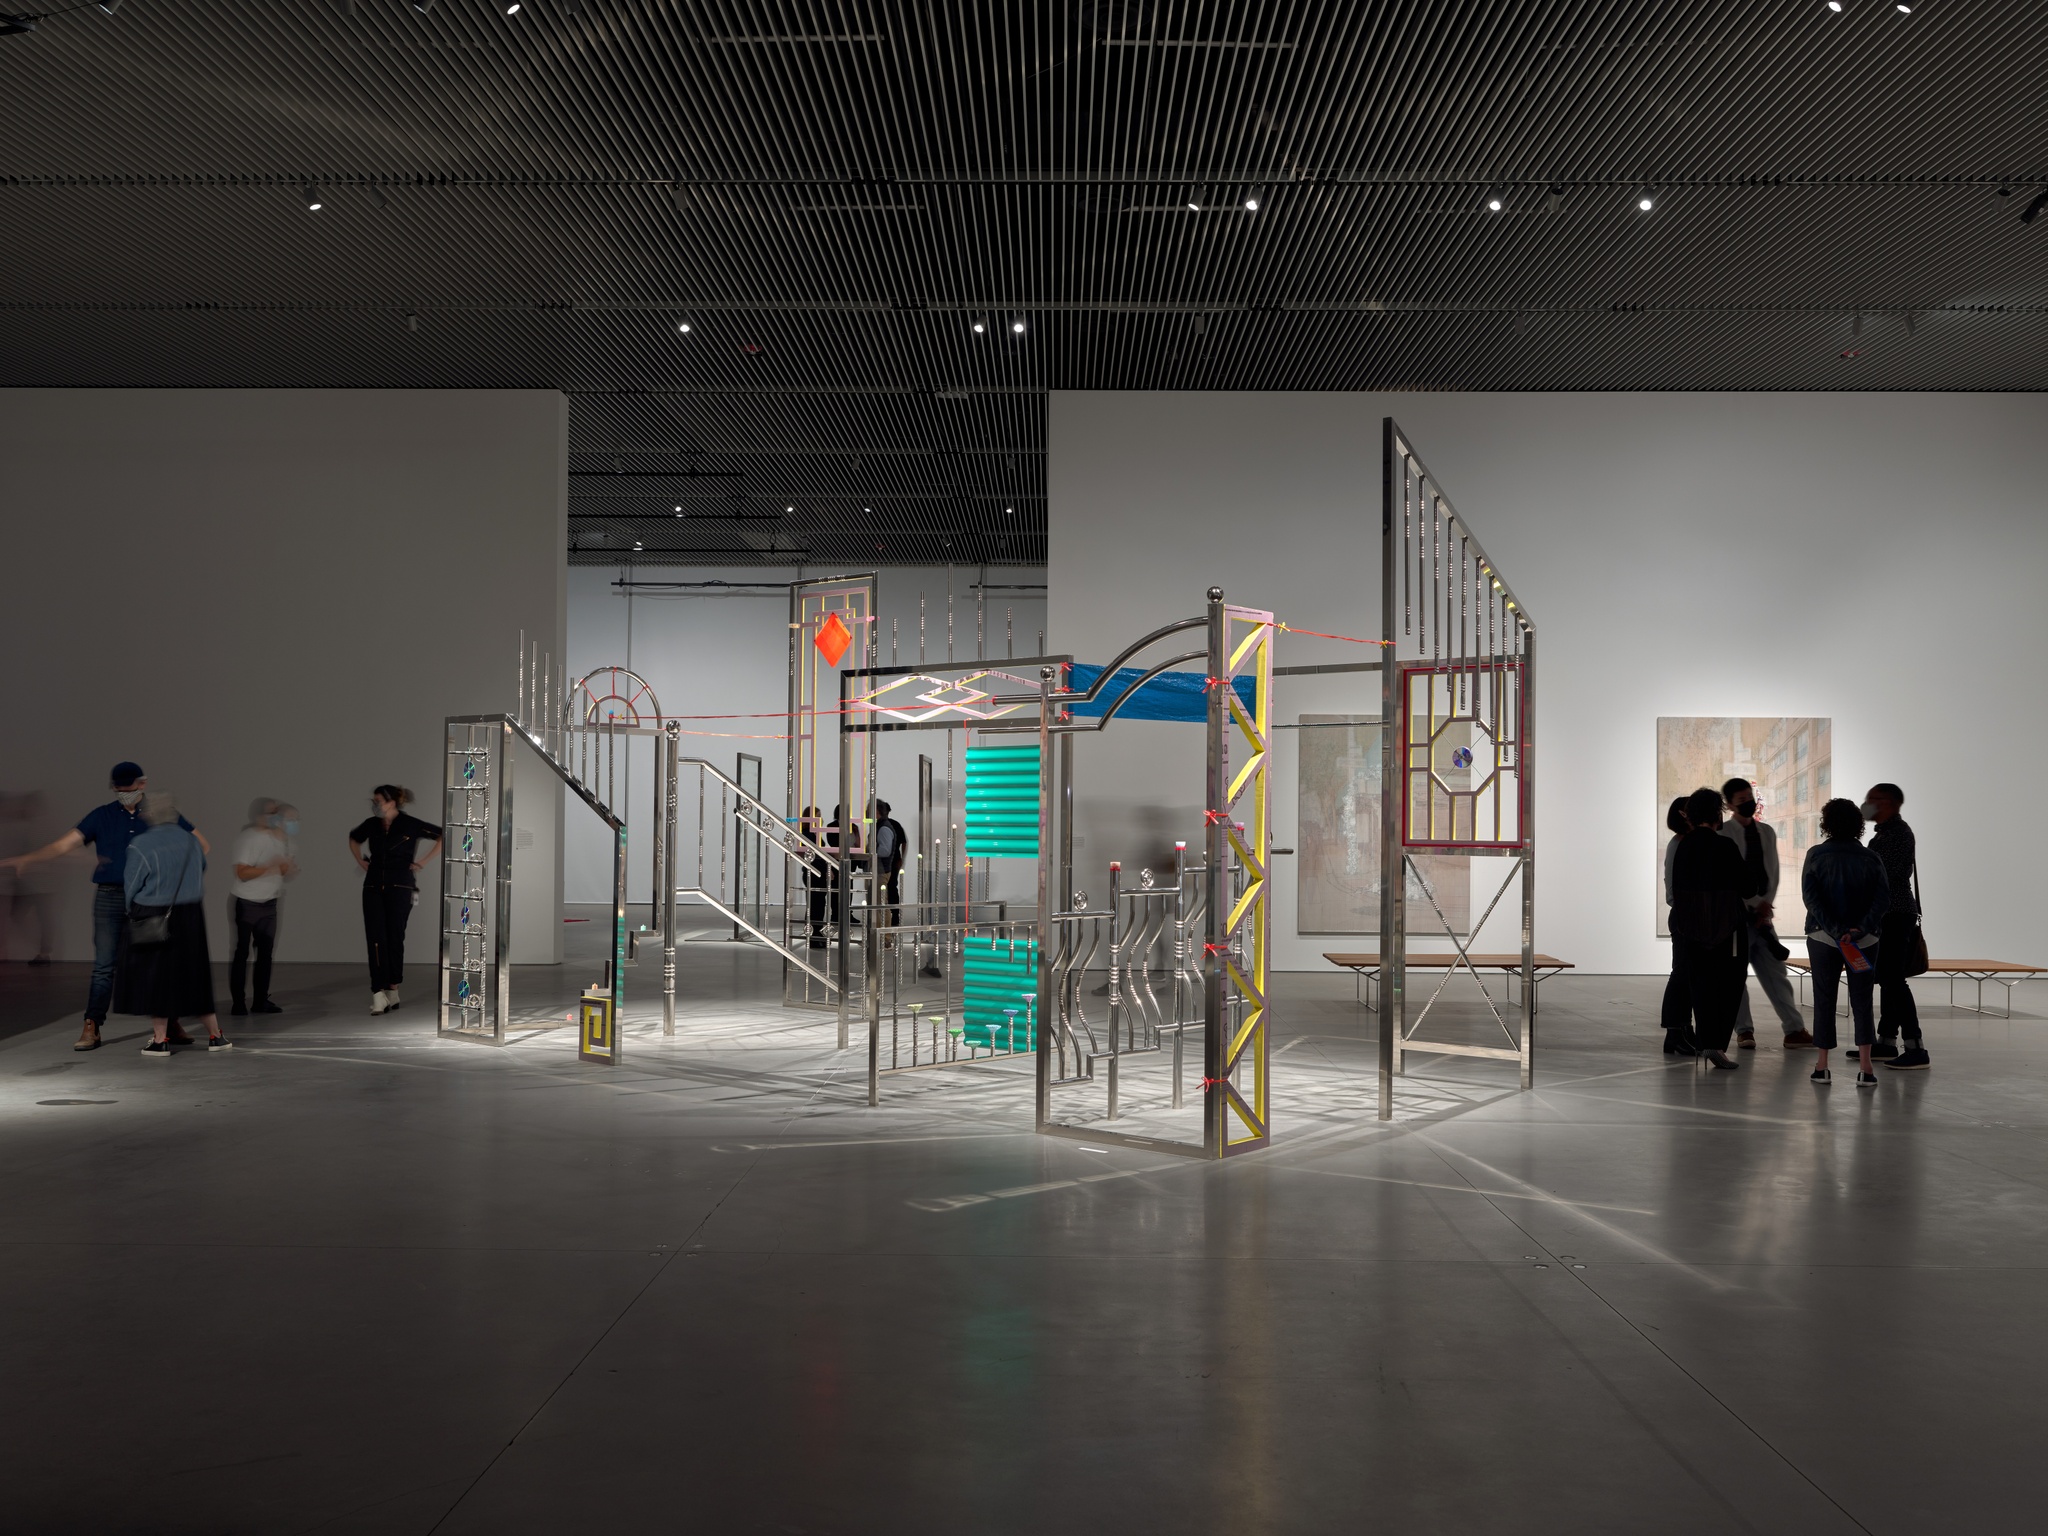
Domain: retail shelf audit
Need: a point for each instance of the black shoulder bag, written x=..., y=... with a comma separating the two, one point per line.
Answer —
x=1916, y=957
x=154, y=929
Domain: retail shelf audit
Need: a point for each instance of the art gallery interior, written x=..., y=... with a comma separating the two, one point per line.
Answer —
x=985, y=615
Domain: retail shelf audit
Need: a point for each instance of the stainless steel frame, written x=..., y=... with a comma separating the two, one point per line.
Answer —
x=1449, y=620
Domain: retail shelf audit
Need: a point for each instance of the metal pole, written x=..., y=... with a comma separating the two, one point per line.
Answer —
x=1393, y=876
x=1045, y=1020
x=665, y=871
x=1525, y=762
x=843, y=896
x=501, y=927
x=1215, y=1045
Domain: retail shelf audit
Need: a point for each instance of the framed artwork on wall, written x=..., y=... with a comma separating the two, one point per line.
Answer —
x=1337, y=842
x=1787, y=758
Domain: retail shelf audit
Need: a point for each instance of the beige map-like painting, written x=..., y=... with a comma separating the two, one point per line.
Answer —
x=1787, y=758
x=1337, y=857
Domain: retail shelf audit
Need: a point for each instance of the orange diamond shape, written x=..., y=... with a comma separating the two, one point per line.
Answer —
x=833, y=639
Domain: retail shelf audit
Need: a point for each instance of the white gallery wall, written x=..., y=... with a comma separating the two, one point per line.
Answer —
x=277, y=592
x=723, y=651
x=1876, y=559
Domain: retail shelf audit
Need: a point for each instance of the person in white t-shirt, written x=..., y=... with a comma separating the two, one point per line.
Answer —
x=263, y=862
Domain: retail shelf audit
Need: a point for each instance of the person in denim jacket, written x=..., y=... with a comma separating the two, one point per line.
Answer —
x=1847, y=897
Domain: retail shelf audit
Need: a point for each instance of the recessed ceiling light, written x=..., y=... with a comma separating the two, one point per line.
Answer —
x=683, y=328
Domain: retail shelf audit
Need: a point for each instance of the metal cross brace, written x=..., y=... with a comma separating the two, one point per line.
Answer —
x=1462, y=949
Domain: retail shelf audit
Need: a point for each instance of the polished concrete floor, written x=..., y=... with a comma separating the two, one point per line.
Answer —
x=350, y=1278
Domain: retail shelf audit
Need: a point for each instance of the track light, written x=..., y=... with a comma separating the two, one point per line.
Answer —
x=1251, y=204
x=14, y=26
x=412, y=322
x=1009, y=511
x=980, y=326
x=512, y=9
x=2033, y=209
x=682, y=327
x=423, y=6
x=1017, y=327
x=1645, y=202
x=108, y=7
x=1835, y=6
x=1903, y=10
x=1493, y=202
x=789, y=509
x=312, y=198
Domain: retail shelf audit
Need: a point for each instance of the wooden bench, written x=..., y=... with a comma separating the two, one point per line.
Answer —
x=2006, y=973
x=1366, y=968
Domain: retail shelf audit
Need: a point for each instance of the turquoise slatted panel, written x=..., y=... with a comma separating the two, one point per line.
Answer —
x=1000, y=973
x=1002, y=802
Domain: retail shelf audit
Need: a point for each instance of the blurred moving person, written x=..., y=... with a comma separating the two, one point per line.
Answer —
x=1901, y=952
x=109, y=828
x=1847, y=896
x=892, y=847
x=263, y=862
x=385, y=846
x=31, y=925
x=166, y=972
x=1758, y=841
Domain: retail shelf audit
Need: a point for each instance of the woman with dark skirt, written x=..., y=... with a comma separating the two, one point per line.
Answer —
x=166, y=971
x=386, y=846
x=1709, y=883
x=1679, y=1040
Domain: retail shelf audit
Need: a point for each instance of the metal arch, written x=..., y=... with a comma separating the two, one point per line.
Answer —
x=592, y=703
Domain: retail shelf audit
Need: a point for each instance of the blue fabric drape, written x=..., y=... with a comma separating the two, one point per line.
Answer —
x=1169, y=696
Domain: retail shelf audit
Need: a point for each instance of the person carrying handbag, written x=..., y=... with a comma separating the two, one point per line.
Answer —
x=166, y=972
x=1709, y=925
x=1903, y=951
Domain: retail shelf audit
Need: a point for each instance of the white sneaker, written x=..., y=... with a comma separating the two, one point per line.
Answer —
x=379, y=1001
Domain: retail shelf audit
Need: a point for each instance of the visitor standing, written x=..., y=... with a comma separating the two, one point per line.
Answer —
x=1846, y=900
x=1902, y=953
x=892, y=847
x=817, y=878
x=166, y=972
x=1679, y=1040
x=1758, y=841
x=1708, y=924
x=263, y=862
x=848, y=837
x=109, y=829
x=386, y=847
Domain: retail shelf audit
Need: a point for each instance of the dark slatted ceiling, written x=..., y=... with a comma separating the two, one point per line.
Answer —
x=832, y=195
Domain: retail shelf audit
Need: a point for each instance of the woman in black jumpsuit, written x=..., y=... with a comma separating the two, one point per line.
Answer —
x=386, y=847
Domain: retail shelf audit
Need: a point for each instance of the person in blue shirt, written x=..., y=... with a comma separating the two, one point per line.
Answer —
x=168, y=974
x=109, y=828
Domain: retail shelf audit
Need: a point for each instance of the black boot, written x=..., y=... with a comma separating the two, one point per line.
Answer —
x=1681, y=1042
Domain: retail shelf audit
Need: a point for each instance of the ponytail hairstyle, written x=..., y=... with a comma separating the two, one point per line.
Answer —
x=397, y=794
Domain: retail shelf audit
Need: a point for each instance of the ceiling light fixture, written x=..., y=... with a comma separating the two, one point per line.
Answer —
x=1835, y=6
x=1645, y=202
x=512, y=9
x=789, y=509
x=1493, y=202
x=1903, y=10
x=1017, y=327
x=1251, y=204
x=980, y=326
x=14, y=26
x=312, y=198
x=108, y=7
x=638, y=545
x=682, y=328
x=2033, y=210
x=423, y=6
x=1010, y=511
x=412, y=321
x=1194, y=207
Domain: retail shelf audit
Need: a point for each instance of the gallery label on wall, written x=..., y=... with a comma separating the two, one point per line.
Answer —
x=1787, y=758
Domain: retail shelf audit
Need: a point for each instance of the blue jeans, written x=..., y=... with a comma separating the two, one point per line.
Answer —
x=109, y=912
x=1828, y=969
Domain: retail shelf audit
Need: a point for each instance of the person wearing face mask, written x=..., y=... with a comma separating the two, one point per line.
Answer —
x=263, y=862
x=109, y=828
x=1899, y=953
x=1758, y=842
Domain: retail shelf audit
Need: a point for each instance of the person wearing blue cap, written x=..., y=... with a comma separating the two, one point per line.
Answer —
x=109, y=828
